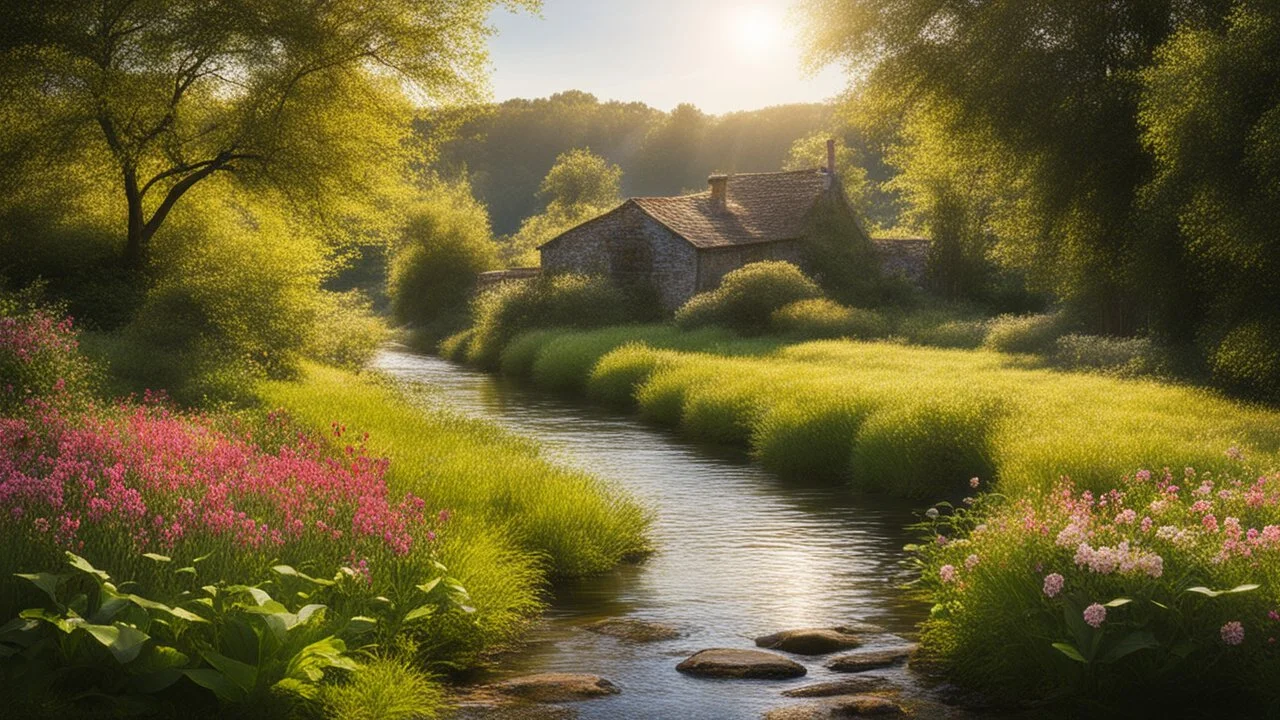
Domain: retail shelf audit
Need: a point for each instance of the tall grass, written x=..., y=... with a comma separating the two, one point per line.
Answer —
x=567, y=519
x=903, y=419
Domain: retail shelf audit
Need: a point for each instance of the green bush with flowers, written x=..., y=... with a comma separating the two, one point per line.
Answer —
x=1165, y=585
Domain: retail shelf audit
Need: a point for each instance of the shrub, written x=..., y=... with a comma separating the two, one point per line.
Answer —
x=1024, y=333
x=748, y=297
x=724, y=412
x=945, y=327
x=922, y=447
x=456, y=346
x=809, y=437
x=518, y=356
x=617, y=376
x=573, y=301
x=1247, y=360
x=1127, y=357
x=820, y=319
x=444, y=246
x=384, y=689
x=346, y=332
x=235, y=301
x=1160, y=590
x=39, y=359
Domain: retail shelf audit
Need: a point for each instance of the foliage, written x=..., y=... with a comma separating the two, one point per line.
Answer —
x=823, y=319
x=579, y=186
x=346, y=332
x=1128, y=357
x=1210, y=115
x=747, y=297
x=810, y=152
x=1161, y=588
x=304, y=103
x=445, y=244
x=383, y=689
x=484, y=475
x=236, y=300
x=812, y=407
x=39, y=360
x=1024, y=333
x=996, y=98
x=578, y=178
x=507, y=148
x=844, y=261
x=549, y=301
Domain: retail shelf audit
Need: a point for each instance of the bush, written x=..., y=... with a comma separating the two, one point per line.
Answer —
x=571, y=301
x=445, y=245
x=925, y=447
x=1024, y=333
x=1126, y=357
x=346, y=332
x=1156, y=592
x=235, y=300
x=384, y=689
x=39, y=359
x=821, y=319
x=1247, y=360
x=810, y=437
x=748, y=297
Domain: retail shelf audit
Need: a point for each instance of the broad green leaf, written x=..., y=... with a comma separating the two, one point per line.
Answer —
x=185, y=571
x=124, y=641
x=1215, y=593
x=47, y=582
x=83, y=566
x=157, y=557
x=1131, y=643
x=1069, y=650
x=1119, y=602
x=243, y=675
x=307, y=611
x=361, y=624
x=220, y=684
x=65, y=624
x=430, y=585
x=420, y=612
x=154, y=682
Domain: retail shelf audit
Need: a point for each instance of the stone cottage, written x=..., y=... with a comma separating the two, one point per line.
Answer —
x=684, y=245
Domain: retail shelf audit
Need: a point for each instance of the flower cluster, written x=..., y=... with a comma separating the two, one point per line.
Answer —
x=161, y=478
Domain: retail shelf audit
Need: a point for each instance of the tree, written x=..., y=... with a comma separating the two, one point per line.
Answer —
x=810, y=152
x=1051, y=88
x=445, y=244
x=1210, y=115
x=578, y=187
x=303, y=99
x=581, y=179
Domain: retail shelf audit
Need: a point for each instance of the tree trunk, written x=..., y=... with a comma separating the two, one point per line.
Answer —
x=135, y=247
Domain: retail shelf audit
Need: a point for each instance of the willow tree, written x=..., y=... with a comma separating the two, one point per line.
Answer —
x=1044, y=94
x=305, y=99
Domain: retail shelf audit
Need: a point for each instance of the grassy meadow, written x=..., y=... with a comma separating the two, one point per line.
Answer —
x=908, y=420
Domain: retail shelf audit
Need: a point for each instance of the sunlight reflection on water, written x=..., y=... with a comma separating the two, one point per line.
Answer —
x=739, y=553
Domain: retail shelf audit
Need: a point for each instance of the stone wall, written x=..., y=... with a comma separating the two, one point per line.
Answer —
x=907, y=257
x=715, y=263
x=629, y=246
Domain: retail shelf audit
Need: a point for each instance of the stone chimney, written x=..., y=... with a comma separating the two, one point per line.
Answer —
x=719, y=192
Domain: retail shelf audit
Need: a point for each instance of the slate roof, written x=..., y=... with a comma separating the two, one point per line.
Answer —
x=762, y=208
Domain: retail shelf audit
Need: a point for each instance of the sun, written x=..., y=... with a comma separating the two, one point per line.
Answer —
x=757, y=30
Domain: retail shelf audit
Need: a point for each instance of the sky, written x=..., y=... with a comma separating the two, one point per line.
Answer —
x=717, y=54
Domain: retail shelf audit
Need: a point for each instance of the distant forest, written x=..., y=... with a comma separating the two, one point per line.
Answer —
x=505, y=150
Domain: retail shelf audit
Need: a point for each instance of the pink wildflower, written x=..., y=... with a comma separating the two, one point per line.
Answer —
x=974, y=482
x=1232, y=633
x=1095, y=615
x=971, y=562
x=1053, y=583
x=947, y=573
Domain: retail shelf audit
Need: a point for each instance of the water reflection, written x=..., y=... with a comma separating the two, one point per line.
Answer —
x=739, y=552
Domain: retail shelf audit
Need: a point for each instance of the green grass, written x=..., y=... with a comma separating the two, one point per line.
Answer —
x=517, y=520
x=909, y=420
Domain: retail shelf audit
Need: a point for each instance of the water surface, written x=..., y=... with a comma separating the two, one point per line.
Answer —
x=738, y=553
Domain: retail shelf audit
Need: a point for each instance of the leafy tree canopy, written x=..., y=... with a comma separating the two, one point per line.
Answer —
x=305, y=100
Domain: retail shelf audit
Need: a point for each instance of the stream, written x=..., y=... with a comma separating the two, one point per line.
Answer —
x=738, y=553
